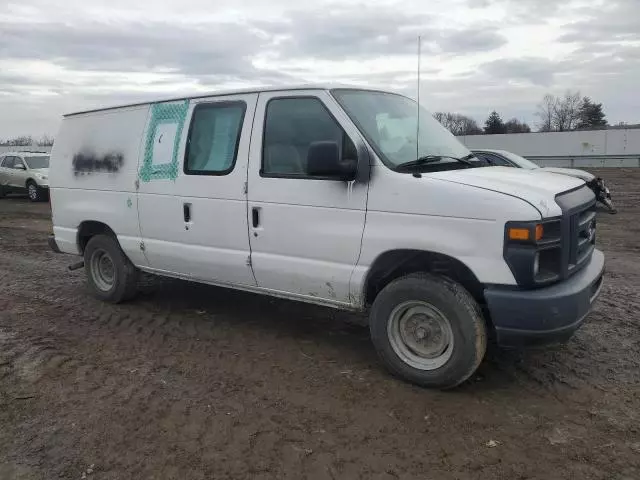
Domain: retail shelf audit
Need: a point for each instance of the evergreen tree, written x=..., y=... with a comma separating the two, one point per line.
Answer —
x=494, y=124
x=591, y=115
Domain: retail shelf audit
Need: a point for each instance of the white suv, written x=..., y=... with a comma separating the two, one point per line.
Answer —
x=25, y=172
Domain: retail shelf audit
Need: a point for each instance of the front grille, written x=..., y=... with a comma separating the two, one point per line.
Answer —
x=578, y=229
x=582, y=237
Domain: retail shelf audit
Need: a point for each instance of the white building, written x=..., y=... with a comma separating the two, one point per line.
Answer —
x=594, y=148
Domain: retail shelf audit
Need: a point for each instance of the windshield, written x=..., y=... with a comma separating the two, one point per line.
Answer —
x=388, y=121
x=520, y=161
x=41, y=161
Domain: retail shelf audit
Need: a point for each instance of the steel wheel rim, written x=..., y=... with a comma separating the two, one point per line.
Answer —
x=103, y=270
x=420, y=335
x=33, y=191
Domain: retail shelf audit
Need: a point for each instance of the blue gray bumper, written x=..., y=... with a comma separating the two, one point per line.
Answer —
x=545, y=315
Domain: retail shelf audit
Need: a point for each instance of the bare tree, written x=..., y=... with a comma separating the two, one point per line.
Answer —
x=545, y=112
x=567, y=111
x=45, y=141
x=560, y=114
x=24, y=140
x=516, y=126
x=458, y=124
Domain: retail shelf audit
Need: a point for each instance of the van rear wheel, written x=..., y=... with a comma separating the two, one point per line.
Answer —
x=110, y=274
x=428, y=330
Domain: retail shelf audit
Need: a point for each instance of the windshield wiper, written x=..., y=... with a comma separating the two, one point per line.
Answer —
x=466, y=159
x=427, y=159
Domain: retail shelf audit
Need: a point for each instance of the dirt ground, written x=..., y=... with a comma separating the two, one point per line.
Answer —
x=195, y=382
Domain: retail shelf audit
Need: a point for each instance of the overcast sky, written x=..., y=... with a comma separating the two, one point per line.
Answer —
x=478, y=55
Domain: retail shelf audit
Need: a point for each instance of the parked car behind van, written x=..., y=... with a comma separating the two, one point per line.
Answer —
x=324, y=195
x=510, y=159
x=25, y=172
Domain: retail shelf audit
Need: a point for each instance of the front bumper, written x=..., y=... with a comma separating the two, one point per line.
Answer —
x=546, y=315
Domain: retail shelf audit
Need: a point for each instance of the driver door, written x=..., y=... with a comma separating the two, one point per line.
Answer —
x=305, y=232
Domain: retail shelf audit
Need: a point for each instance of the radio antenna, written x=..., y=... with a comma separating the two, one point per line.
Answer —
x=418, y=102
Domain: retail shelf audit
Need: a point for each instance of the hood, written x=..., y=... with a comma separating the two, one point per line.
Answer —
x=41, y=171
x=572, y=172
x=533, y=186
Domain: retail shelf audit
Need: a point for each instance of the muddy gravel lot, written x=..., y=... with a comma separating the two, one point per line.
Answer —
x=196, y=382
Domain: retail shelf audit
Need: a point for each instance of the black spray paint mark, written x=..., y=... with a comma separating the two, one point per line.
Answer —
x=87, y=163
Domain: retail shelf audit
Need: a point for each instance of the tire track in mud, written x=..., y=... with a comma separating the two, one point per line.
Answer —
x=224, y=424
x=186, y=421
x=142, y=396
x=20, y=278
x=570, y=366
x=167, y=308
x=31, y=361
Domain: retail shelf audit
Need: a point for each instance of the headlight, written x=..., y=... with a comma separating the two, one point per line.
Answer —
x=533, y=251
x=533, y=232
x=42, y=177
x=526, y=233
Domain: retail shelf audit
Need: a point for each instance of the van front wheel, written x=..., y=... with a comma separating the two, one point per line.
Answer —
x=428, y=330
x=111, y=276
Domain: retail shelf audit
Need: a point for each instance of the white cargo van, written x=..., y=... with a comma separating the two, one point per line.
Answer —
x=325, y=195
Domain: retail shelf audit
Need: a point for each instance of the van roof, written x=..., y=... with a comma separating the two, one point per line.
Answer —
x=221, y=93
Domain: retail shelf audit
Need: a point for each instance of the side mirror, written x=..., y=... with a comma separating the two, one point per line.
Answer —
x=323, y=160
x=19, y=166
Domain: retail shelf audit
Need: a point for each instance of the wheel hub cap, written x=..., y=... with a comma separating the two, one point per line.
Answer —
x=102, y=270
x=421, y=335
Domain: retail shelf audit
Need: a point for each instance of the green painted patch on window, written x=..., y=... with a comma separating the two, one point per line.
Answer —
x=163, y=140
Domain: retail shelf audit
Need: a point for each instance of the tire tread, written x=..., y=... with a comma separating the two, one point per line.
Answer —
x=462, y=298
x=127, y=277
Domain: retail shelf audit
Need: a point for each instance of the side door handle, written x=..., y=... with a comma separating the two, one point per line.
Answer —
x=255, y=217
x=186, y=210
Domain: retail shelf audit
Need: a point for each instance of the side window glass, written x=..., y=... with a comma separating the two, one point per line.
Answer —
x=496, y=160
x=8, y=162
x=291, y=126
x=212, y=145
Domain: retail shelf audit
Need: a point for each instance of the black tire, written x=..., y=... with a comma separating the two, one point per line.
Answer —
x=2, y=193
x=34, y=192
x=124, y=274
x=456, y=306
